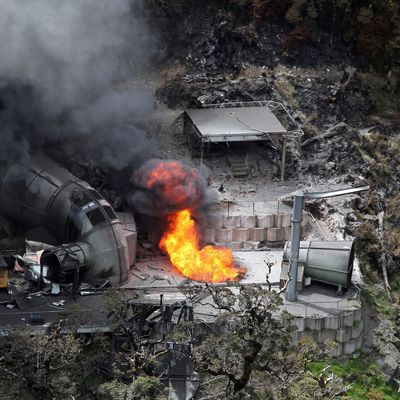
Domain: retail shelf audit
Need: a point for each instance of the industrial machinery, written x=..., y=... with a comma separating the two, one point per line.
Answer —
x=328, y=262
x=91, y=240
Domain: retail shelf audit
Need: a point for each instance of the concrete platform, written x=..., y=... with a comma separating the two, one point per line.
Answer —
x=158, y=274
x=318, y=313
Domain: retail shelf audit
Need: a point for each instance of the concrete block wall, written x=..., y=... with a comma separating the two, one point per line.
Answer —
x=344, y=331
x=247, y=231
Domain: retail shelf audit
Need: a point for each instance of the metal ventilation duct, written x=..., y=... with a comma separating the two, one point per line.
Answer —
x=329, y=262
x=45, y=194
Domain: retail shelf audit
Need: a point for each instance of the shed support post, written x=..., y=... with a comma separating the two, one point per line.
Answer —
x=291, y=293
x=283, y=163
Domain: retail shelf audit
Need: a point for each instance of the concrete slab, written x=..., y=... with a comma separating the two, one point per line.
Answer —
x=317, y=300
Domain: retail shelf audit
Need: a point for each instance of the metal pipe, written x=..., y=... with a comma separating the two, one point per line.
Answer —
x=291, y=293
x=335, y=193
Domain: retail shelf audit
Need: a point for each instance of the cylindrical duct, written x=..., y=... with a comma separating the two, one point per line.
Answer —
x=329, y=262
x=63, y=261
x=45, y=194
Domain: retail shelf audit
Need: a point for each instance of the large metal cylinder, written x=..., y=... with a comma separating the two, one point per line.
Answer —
x=45, y=194
x=329, y=262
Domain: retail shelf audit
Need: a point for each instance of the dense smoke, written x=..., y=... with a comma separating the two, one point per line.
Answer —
x=67, y=70
x=166, y=186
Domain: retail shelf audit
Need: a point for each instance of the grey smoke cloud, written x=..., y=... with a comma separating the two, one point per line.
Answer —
x=67, y=68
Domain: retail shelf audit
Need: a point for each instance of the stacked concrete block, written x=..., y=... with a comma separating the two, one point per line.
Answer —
x=209, y=235
x=257, y=234
x=248, y=221
x=215, y=221
x=348, y=319
x=240, y=235
x=333, y=329
x=223, y=235
x=359, y=342
x=266, y=221
x=221, y=244
x=270, y=227
x=332, y=322
x=356, y=329
x=336, y=350
x=357, y=314
x=283, y=220
x=234, y=245
x=300, y=323
x=287, y=233
x=274, y=234
x=343, y=334
x=350, y=346
x=314, y=324
x=231, y=222
x=244, y=229
x=325, y=336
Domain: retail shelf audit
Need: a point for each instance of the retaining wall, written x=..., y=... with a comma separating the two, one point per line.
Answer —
x=343, y=331
x=247, y=231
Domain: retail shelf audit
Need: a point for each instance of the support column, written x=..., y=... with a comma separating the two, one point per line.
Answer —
x=291, y=293
x=283, y=163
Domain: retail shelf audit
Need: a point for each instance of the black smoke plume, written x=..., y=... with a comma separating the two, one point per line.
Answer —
x=68, y=72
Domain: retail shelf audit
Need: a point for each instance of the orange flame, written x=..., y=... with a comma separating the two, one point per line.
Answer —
x=209, y=264
x=174, y=182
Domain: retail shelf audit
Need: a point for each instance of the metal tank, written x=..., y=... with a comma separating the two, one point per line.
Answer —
x=94, y=241
x=329, y=262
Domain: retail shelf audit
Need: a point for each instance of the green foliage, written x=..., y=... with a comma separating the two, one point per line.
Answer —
x=113, y=390
x=255, y=343
x=146, y=388
x=44, y=364
x=376, y=296
x=364, y=377
x=142, y=388
x=308, y=388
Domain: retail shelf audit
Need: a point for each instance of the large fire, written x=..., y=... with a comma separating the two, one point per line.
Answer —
x=172, y=188
x=173, y=182
x=209, y=264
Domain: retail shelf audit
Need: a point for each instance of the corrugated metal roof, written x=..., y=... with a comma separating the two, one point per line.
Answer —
x=236, y=121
